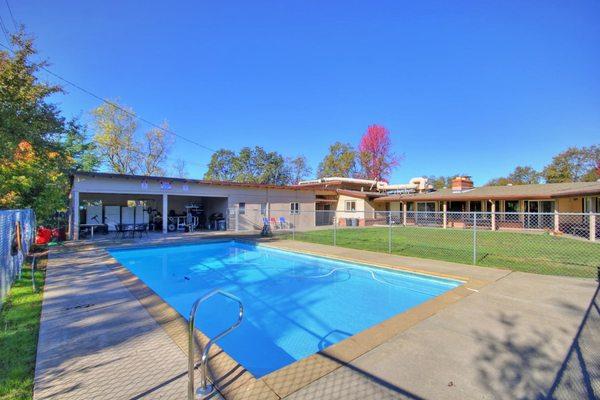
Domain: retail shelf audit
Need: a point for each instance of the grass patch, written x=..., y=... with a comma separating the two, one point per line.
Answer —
x=19, y=328
x=539, y=253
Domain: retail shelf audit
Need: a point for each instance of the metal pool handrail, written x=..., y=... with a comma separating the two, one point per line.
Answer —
x=206, y=388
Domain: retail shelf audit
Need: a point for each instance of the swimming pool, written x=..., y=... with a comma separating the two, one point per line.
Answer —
x=295, y=304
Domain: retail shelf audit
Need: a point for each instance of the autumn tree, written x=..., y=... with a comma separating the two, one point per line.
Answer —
x=119, y=146
x=520, y=176
x=573, y=165
x=39, y=146
x=115, y=137
x=340, y=161
x=375, y=153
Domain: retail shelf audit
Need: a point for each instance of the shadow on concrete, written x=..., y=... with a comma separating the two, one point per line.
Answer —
x=579, y=374
x=523, y=364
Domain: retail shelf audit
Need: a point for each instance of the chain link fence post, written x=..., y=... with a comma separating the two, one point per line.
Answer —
x=334, y=229
x=474, y=238
x=389, y=216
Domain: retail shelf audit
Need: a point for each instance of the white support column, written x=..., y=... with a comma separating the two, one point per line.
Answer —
x=493, y=216
x=165, y=213
x=556, y=221
x=592, y=227
x=445, y=213
x=404, y=212
x=75, y=215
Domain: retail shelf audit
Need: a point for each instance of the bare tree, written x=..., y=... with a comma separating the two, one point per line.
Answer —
x=155, y=150
x=180, y=168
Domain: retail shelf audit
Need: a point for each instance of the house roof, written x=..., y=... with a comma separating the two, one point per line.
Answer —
x=359, y=194
x=198, y=181
x=515, y=192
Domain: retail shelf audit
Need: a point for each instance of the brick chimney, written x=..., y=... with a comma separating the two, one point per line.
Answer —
x=461, y=183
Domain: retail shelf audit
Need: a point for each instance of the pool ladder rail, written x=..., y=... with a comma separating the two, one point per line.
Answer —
x=206, y=387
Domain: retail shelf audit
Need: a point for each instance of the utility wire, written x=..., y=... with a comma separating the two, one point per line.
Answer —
x=113, y=104
x=5, y=31
x=124, y=110
x=11, y=16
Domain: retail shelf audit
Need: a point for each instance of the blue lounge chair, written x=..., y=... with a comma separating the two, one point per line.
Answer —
x=282, y=222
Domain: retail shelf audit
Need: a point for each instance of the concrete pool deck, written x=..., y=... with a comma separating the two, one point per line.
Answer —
x=511, y=336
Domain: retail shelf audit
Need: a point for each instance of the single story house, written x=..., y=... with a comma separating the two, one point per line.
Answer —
x=111, y=200
x=539, y=206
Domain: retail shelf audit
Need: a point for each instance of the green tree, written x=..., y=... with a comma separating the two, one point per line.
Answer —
x=440, y=182
x=39, y=146
x=520, y=176
x=252, y=165
x=340, y=161
x=573, y=165
x=221, y=166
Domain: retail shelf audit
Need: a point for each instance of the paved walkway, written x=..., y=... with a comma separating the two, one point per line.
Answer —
x=522, y=336
x=97, y=341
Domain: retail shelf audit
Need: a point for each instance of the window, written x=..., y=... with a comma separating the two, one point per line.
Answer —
x=429, y=206
x=263, y=208
x=511, y=206
x=294, y=208
x=242, y=208
x=475, y=206
x=350, y=205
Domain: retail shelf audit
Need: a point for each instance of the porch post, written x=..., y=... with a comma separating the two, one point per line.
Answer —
x=165, y=209
x=592, y=227
x=445, y=215
x=556, y=221
x=404, y=212
x=75, y=215
x=493, y=216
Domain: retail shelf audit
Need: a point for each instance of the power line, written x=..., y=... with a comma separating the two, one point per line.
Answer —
x=11, y=15
x=5, y=31
x=125, y=111
x=113, y=104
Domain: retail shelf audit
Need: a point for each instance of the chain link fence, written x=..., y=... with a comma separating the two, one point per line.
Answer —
x=17, y=234
x=566, y=244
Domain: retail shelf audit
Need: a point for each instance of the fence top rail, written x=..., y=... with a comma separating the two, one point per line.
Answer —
x=361, y=212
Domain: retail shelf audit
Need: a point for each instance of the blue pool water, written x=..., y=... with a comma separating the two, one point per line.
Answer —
x=295, y=304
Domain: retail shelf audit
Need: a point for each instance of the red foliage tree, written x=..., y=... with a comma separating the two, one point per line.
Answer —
x=376, y=157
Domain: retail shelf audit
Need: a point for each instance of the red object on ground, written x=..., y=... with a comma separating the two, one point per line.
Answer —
x=43, y=235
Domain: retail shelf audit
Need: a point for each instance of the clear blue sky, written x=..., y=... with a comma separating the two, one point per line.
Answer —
x=475, y=87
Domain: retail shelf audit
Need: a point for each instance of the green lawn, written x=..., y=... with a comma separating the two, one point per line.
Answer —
x=539, y=253
x=19, y=327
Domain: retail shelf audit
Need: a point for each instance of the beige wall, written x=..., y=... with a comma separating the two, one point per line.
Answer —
x=569, y=204
x=216, y=198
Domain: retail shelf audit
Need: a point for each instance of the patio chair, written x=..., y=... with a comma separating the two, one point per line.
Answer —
x=273, y=222
x=141, y=229
x=283, y=223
